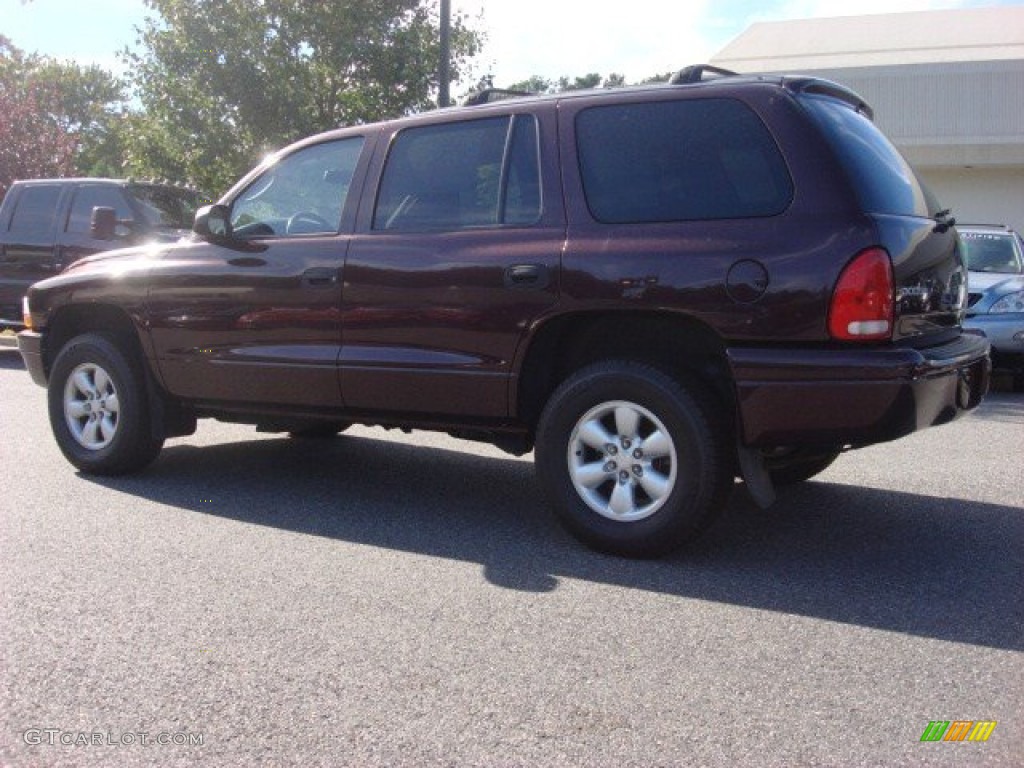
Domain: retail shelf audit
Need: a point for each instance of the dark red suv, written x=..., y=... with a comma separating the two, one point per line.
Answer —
x=659, y=288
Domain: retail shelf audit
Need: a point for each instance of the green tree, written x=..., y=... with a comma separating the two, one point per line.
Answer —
x=592, y=80
x=56, y=118
x=539, y=84
x=89, y=103
x=33, y=143
x=534, y=84
x=221, y=84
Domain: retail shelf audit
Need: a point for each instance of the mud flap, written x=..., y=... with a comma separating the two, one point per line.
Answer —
x=755, y=476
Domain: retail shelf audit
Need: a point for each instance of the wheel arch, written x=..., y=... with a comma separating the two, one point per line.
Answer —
x=170, y=417
x=75, y=319
x=676, y=343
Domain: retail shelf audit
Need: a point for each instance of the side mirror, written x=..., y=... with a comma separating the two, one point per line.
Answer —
x=213, y=222
x=103, y=223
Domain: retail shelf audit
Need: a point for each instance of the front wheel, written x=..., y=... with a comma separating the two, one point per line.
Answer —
x=634, y=462
x=99, y=411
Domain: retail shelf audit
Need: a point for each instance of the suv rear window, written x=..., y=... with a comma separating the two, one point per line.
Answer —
x=884, y=181
x=680, y=160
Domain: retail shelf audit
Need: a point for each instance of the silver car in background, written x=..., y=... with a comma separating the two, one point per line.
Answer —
x=995, y=284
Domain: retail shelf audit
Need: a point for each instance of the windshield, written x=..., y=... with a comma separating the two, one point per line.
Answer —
x=998, y=252
x=166, y=207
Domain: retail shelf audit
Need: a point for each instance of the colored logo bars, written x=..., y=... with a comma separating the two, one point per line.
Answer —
x=958, y=730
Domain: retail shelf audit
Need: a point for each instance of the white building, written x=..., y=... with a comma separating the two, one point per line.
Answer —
x=946, y=86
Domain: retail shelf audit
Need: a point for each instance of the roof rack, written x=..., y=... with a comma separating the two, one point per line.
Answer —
x=489, y=95
x=695, y=74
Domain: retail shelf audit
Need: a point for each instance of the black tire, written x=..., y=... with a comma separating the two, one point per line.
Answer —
x=107, y=431
x=688, y=466
x=323, y=431
x=801, y=466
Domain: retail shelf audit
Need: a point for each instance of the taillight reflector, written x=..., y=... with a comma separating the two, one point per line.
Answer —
x=26, y=316
x=862, y=302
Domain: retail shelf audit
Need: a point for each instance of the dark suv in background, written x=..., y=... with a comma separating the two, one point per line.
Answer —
x=659, y=288
x=46, y=224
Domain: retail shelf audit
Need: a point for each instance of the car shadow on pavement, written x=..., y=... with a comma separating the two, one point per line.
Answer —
x=1002, y=407
x=930, y=566
x=10, y=359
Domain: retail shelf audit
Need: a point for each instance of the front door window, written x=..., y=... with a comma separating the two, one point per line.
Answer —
x=302, y=194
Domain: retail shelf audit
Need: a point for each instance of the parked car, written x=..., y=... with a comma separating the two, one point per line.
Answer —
x=995, y=263
x=657, y=288
x=46, y=224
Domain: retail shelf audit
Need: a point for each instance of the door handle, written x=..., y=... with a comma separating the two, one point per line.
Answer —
x=526, y=276
x=320, y=277
x=247, y=261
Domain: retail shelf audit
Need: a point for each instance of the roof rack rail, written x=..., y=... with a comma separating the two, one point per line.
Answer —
x=695, y=74
x=489, y=95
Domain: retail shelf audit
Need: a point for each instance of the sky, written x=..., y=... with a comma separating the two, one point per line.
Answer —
x=550, y=38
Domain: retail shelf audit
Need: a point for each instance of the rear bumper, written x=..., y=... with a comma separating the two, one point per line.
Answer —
x=855, y=397
x=30, y=344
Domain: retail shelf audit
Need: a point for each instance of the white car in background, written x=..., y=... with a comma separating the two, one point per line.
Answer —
x=995, y=284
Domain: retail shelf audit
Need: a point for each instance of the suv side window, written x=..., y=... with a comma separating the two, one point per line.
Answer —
x=681, y=160
x=478, y=173
x=301, y=194
x=90, y=196
x=36, y=211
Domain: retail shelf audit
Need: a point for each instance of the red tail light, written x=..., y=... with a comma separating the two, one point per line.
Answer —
x=862, y=303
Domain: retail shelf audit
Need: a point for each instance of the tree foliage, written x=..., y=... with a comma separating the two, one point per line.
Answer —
x=89, y=104
x=539, y=84
x=56, y=118
x=32, y=143
x=221, y=84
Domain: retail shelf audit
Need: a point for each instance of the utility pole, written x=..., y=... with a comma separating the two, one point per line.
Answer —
x=444, y=68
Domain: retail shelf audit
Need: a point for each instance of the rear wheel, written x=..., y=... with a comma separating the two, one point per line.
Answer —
x=99, y=411
x=634, y=462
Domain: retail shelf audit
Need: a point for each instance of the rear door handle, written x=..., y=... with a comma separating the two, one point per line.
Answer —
x=320, y=277
x=526, y=276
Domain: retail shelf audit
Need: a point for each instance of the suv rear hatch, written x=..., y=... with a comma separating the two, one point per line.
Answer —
x=930, y=280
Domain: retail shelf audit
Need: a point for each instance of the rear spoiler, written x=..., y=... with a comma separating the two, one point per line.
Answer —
x=819, y=87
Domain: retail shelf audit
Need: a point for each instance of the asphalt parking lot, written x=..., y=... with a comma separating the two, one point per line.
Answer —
x=390, y=599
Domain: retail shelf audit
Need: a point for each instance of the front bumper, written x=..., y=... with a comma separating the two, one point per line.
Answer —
x=832, y=397
x=30, y=344
x=1005, y=332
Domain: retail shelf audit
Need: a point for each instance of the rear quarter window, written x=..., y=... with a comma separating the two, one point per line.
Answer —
x=884, y=182
x=680, y=160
